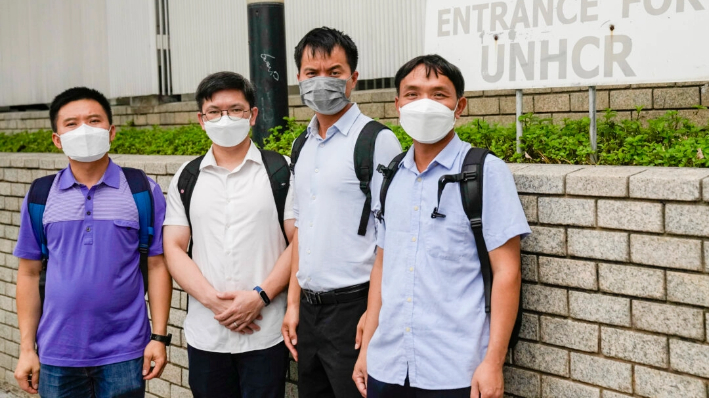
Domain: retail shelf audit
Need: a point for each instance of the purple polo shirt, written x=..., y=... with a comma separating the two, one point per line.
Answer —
x=94, y=309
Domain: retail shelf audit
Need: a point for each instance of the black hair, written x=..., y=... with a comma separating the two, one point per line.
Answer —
x=324, y=40
x=224, y=81
x=434, y=64
x=77, y=94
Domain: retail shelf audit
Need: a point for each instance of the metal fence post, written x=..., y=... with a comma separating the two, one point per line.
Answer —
x=519, y=122
x=592, y=116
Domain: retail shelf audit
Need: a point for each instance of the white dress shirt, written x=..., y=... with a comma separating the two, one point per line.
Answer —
x=236, y=242
x=328, y=204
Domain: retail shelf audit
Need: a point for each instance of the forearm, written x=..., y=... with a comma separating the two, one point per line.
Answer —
x=187, y=274
x=503, y=313
x=159, y=293
x=280, y=276
x=293, y=285
x=29, y=307
x=374, y=300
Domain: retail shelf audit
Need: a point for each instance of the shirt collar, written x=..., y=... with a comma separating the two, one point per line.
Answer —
x=111, y=177
x=445, y=158
x=343, y=124
x=253, y=154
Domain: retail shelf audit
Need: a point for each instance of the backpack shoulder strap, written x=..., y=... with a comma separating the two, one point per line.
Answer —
x=278, y=172
x=144, y=201
x=363, y=165
x=471, y=191
x=36, y=203
x=185, y=186
x=388, y=174
x=297, y=147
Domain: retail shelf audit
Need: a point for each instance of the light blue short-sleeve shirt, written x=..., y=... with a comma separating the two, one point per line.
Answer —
x=328, y=204
x=432, y=324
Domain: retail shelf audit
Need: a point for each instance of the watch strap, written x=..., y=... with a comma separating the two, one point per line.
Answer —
x=163, y=339
x=264, y=296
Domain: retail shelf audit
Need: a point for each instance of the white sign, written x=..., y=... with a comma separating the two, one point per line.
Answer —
x=515, y=44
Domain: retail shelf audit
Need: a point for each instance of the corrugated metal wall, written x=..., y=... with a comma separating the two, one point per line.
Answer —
x=47, y=46
x=212, y=35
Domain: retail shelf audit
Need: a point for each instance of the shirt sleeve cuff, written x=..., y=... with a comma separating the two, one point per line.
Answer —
x=495, y=242
x=176, y=221
x=27, y=255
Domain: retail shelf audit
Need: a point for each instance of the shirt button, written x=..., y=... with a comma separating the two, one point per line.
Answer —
x=88, y=213
x=408, y=299
x=418, y=179
x=413, y=239
x=322, y=145
x=88, y=229
x=228, y=278
x=88, y=197
x=408, y=330
x=313, y=197
x=411, y=269
x=308, y=279
x=416, y=208
x=311, y=225
x=308, y=251
x=317, y=171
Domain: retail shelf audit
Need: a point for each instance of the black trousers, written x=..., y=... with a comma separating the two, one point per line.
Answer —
x=326, y=353
x=378, y=389
x=253, y=374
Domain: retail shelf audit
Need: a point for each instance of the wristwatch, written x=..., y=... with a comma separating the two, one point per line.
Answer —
x=263, y=295
x=163, y=339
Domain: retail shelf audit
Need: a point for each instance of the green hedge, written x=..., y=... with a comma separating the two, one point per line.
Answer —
x=668, y=140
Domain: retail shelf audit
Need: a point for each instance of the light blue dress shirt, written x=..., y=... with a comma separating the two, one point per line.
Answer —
x=432, y=322
x=328, y=204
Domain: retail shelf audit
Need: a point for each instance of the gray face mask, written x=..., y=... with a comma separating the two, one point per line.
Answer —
x=324, y=95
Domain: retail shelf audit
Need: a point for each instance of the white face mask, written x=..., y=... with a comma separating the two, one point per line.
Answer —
x=226, y=132
x=86, y=143
x=426, y=121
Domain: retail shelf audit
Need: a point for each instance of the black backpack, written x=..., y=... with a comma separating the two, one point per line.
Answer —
x=470, y=180
x=363, y=164
x=142, y=195
x=278, y=174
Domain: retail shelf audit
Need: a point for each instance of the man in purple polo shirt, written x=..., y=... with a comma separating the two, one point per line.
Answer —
x=92, y=331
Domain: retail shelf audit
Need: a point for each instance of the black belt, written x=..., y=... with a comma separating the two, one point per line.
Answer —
x=343, y=295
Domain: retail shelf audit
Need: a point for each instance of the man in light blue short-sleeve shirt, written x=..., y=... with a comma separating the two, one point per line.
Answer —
x=427, y=332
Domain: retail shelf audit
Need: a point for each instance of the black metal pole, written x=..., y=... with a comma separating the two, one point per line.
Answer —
x=267, y=58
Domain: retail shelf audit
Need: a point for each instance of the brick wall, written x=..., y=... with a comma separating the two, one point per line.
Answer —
x=493, y=106
x=616, y=279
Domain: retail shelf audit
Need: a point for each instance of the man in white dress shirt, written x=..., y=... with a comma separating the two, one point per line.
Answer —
x=239, y=264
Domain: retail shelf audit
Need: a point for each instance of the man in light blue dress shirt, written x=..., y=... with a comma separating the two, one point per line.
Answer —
x=427, y=333
x=331, y=260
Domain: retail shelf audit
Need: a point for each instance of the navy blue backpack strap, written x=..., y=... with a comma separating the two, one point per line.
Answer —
x=36, y=203
x=364, y=169
x=185, y=186
x=279, y=174
x=143, y=197
x=388, y=174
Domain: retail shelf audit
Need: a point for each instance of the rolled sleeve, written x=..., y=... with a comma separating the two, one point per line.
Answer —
x=158, y=219
x=175, y=212
x=27, y=246
x=503, y=216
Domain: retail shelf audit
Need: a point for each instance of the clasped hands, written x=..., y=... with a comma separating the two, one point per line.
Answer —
x=237, y=310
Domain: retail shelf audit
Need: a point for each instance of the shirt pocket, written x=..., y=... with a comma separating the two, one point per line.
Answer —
x=126, y=232
x=445, y=238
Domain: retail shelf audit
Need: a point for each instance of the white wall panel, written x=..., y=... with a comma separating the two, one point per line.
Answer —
x=47, y=46
x=207, y=36
x=387, y=33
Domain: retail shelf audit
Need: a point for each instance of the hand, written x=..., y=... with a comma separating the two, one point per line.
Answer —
x=241, y=313
x=360, y=330
x=488, y=381
x=154, y=352
x=28, y=365
x=288, y=329
x=360, y=373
